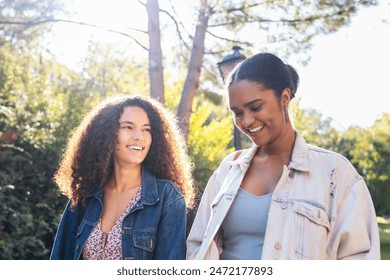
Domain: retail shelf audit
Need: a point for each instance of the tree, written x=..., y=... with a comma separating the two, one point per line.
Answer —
x=41, y=102
x=292, y=24
x=208, y=140
x=191, y=83
x=22, y=20
x=316, y=129
x=283, y=25
x=371, y=154
x=33, y=101
x=156, y=75
x=109, y=70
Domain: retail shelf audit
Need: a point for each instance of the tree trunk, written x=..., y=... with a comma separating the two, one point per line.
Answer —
x=156, y=76
x=191, y=83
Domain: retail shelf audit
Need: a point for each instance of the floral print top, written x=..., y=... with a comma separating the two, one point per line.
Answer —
x=108, y=245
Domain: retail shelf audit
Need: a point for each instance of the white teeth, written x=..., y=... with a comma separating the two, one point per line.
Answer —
x=135, y=148
x=255, y=129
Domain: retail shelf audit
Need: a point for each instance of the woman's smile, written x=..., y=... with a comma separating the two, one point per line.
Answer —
x=255, y=129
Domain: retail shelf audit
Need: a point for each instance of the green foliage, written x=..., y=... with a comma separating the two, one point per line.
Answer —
x=28, y=13
x=29, y=202
x=384, y=233
x=315, y=129
x=41, y=102
x=172, y=95
x=371, y=153
x=208, y=141
x=109, y=71
x=34, y=90
x=34, y=99
x=283, y=25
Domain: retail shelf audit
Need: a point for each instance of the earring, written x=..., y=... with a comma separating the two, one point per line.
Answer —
x=286, y=114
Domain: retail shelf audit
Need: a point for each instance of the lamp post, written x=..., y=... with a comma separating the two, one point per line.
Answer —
x=225, y=66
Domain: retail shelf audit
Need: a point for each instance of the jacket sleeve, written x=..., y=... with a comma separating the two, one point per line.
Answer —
x=199, y=226
x=64, y=240
x=203, y=214
x=171, y=238
x=355, y=233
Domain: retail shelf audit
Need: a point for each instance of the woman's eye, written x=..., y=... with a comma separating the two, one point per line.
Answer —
x=126, y=127
x=257, y=108
x=237, y=114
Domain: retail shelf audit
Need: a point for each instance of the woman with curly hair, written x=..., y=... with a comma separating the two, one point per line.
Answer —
x=128, y=178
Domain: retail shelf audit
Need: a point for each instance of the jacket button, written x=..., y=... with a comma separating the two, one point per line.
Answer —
x=283, y=205
x=77, y=247
x=277, y=246
x=291, y=174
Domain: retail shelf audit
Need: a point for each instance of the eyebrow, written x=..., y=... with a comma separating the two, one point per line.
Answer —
x=248, y=104
x=130, y=122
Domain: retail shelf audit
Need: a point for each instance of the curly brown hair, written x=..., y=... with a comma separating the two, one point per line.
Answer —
x=88, y=159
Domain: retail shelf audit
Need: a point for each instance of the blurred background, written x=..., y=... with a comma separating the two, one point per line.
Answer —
x=59, y=58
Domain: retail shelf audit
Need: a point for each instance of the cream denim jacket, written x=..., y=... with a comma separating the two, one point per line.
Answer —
x=320, y=209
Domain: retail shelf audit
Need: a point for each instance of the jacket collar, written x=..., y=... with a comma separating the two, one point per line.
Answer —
x=149, y=194
x=299, y=159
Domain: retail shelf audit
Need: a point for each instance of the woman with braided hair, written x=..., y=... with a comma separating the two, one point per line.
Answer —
x=282, y=198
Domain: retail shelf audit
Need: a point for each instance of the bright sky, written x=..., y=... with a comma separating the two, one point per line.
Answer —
x=346, y=79
x=349, y=73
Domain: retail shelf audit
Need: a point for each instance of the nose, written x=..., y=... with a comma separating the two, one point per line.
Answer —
x=137, y=135
x=247, y=120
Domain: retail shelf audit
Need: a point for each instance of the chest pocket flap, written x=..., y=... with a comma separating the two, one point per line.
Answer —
x=145, y=240
x=313, y=213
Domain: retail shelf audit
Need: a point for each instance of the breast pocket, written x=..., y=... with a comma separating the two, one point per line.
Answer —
x=144, y=244
x=312, y=228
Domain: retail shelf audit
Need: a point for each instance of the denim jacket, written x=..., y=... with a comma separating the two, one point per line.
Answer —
x=155, y=228
x=320, y=209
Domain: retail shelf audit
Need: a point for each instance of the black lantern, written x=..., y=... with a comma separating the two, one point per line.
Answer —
x=225, y=66
x=230, y=61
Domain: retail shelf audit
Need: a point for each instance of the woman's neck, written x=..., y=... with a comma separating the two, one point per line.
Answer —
x=282, y=148
x=125, y=178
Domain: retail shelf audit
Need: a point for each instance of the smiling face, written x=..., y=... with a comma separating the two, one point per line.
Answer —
x=134, y=137
x=257, y=112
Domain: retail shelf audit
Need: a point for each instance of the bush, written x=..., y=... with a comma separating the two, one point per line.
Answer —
x=31, y=206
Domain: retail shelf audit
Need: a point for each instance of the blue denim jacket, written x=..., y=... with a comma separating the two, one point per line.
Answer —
x=155, y=228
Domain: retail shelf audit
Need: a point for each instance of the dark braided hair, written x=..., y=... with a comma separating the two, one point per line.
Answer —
x=268, y=70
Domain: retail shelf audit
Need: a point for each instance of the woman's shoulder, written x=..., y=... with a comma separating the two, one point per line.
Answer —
x=170, y=194
x=325, y=153
x=227, y=162
x=234, y=156
x=324, y=157
x=167, y=186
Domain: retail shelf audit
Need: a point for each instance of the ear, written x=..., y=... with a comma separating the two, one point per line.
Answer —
x=286, y=97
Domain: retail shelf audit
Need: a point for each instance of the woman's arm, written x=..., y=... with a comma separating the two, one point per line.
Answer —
x=64, y=241
x=199, y=226
x=355, y=233
x=171, y=234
